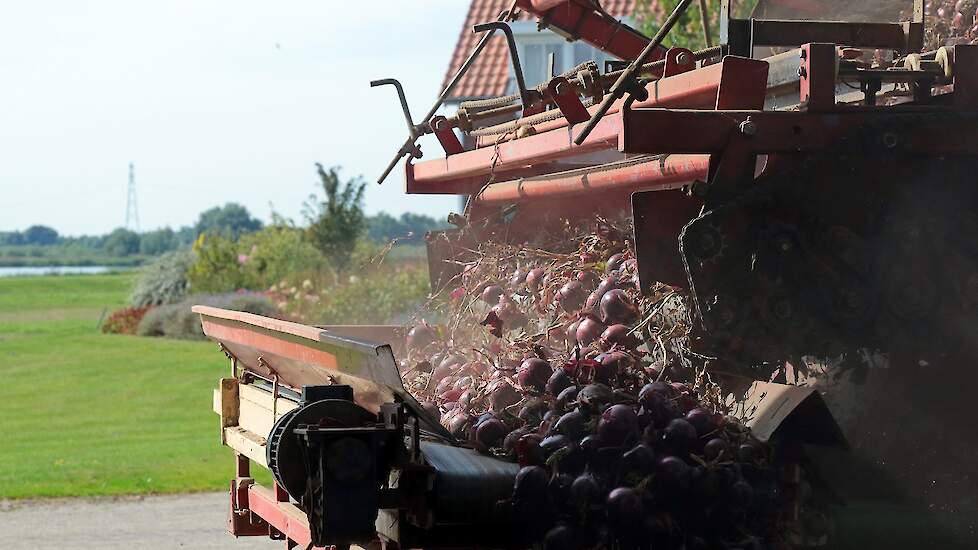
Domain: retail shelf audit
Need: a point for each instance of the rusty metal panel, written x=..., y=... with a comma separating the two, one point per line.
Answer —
x=659, y=217
x=871, y=131
x=817, y=72
x=865, y=35
x=771, y=409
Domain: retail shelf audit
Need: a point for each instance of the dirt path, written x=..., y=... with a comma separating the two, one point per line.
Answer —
x=180, y=521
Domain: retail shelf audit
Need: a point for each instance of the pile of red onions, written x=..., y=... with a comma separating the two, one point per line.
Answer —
x=553, y=358
x=950, y=22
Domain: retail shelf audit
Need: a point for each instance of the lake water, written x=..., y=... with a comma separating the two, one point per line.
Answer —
x=53, y=270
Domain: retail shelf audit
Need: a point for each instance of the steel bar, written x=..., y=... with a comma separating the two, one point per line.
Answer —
x=705, y=21
x=626, y=80
x=444, y=94
x=285, y=517
x=666, y=172
x=585, y=20
x=412, y=129
x=525, y=95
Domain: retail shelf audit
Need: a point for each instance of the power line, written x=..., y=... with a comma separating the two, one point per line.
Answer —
x=132, y=209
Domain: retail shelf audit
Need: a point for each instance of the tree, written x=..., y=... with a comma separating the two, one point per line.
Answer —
x=688, y=32
x=122, y=242
x=40, y=235
x=231, y=220
x=157, y=242
x=13, y=238
x=337, y=221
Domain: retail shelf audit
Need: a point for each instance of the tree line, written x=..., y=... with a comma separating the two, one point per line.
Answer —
x=230, y=220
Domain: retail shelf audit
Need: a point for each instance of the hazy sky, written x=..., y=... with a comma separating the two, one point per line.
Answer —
x=214, y=101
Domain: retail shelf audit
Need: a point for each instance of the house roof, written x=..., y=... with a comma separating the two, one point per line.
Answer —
x=489, y=73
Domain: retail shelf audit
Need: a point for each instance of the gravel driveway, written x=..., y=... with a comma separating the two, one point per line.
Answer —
x=179, y=521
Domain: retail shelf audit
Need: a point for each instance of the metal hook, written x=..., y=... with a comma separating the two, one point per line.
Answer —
x=400, y=95
x=410, y=147
x=526, y=97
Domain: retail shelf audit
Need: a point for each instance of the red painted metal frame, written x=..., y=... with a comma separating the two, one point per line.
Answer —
x=734, y=81
x=686, y=131
x=580, y=19
x=284, y=517
x=817, y=76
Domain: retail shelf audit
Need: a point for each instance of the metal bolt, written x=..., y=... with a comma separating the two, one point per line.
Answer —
x=440, y=124
x=748, y=128
x=802, y=72
x=890, y=140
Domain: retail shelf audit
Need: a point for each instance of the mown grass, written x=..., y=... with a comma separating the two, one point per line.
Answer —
x=83, y=413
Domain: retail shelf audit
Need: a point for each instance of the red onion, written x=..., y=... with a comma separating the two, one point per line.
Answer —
x=618, y=335
x=490, y=433
x=420, y=337
x=618, y=424
x=570, y=334
x=502, y=395
x=534, y=278
x=558, y=382
x=611, y=365
x=534, y=373
x=703, y=420
x=624, y=508
x=491, y=294
x=715, y=449
x=518, y=277
x=614, y=262
x=571, y=296
x=571, y=424
x=617, y=308
x=589, y=330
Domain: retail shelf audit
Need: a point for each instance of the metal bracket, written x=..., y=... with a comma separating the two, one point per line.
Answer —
x=678, y=60
x=817, y=76
x=565, y=96
x=442, y=129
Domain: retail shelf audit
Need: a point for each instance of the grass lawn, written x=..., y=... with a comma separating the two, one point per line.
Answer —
x=83, y=413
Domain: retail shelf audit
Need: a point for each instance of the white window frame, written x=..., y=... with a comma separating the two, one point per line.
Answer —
x=526, y=33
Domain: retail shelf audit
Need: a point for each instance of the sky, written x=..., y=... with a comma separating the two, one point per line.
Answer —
x=213, y=100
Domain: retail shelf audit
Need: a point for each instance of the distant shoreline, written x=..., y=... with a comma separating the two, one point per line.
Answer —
x=69, y=262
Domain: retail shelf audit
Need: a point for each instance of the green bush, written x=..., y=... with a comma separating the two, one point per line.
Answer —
x=255, y=262
x=180, y=322
x=390, y=294
x=164, y=281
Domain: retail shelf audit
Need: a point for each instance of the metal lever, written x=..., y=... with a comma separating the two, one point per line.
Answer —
x=526, y=96
x=505, y=15
x=412, y=147
x=626, y=81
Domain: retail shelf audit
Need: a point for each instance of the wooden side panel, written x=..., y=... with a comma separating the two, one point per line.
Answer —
x=246, y=443
x=229, y=404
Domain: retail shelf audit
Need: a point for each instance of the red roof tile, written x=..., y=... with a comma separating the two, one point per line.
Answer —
x=489, y=74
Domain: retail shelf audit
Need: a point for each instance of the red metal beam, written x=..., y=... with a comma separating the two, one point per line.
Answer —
x=920, y=131
x=285, y=517
x=664, y=173
x=734, y=81
x=584, y=20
